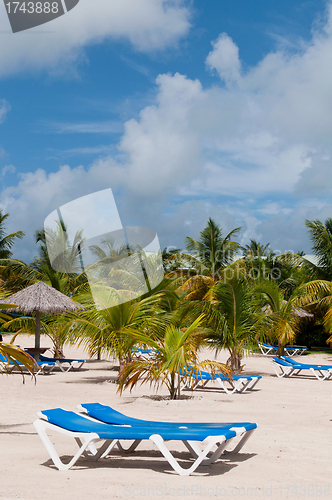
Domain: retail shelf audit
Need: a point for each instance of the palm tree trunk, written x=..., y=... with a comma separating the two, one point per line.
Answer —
x=172, y=387
x=234, y=361
x=179, y=386
x=122, y=363
x=281, y=349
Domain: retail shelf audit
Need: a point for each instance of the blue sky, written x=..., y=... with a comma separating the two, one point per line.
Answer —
x=186, y=109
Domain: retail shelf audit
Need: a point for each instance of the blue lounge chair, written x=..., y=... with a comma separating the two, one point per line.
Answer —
x=321, y=372
x=88, y=432
x=44, y=367
x=73, y=364
x=237, y=383
x=267, y=348
x=287, y=367
x=108, y=415
x=282, y=368
x=295, y=350
x=138, y=351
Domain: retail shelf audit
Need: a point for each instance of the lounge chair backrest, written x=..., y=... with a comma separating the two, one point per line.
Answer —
x=282, y=362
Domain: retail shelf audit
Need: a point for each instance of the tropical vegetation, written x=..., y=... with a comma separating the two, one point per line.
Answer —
x=215, y=295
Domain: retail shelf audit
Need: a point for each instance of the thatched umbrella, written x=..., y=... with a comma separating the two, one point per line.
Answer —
x=296, y=310
x=40, y=298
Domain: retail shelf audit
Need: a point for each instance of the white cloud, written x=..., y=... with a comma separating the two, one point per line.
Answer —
x=8, y=169
x=259, y=136
x=225, y=59
x=263, y=144
x=4, y=109
x=37, y=194
x=95, y=150
x=316, y=180
x=148, y=25
x=288, y=232
x=109, y=127
x=163, y=145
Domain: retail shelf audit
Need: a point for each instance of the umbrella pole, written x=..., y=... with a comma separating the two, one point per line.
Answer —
x=37, y=332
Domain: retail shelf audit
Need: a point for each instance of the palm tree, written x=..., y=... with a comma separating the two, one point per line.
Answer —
x=16, y=275
x=282, y=317
x=13, y=354
x=208, y=258
x=19, y=275
x=110, y=331
x=212, y=251
x=255, y=249
x=173, y=352
x=50, y=326
x=65, y=273
x=233, y=319
x=10, y=353
x=7, y=273
x=321, y=239
x=171, y=259
x=318, y=297
x=7, y=241
x=258, y=261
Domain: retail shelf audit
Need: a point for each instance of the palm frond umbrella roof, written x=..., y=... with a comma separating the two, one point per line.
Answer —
x=296, y=310
x=41, y=297
x=301, y=313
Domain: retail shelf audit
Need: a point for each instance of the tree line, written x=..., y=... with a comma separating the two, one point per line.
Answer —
x=215, y=294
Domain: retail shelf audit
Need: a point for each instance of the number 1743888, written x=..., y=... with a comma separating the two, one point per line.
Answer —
x=32, y=7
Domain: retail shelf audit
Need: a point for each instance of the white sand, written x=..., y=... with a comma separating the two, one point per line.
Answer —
x=288, y=456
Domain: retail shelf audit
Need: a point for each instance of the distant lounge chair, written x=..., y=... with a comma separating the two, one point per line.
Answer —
x=267, y=348
x=88, y=432
x=289, y=350
x=73, y=364
x=287, y=367
x=237, y=383
x=44, y=367
x=138, y=351
x=282, y=368
x=295, y=350
x=321, y=372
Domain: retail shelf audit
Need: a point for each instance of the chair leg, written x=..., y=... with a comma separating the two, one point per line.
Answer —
x=224, y=386
x=245, y=385
x=193, y=448
x=241, y=385
x=253, y=382
x=88, y=439
x=61, y=367
x=131, y=448
x=217, y=454
x=73, y=367
x=240, y=431
x=105, y=449
x=242, y=442
x=209, y=443
x=319, y=374
x=284, y=371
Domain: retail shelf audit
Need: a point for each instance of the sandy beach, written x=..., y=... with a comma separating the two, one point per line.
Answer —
x=288, y=456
